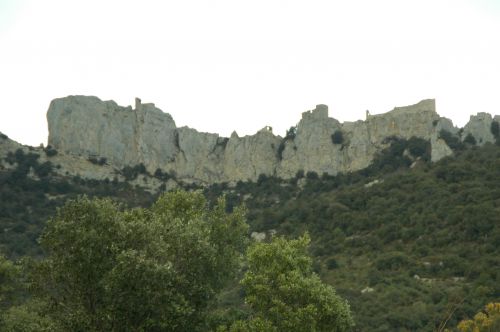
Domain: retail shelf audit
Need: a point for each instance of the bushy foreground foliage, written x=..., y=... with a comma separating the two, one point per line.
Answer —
x=30, y=194
x=160, y=269
x=285, y=295
x=141, y=269
x=487, y=320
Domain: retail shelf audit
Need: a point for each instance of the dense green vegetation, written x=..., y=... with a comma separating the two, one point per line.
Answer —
x=159, y=269
x=285, y=295
x=417, y=248
x=26, y=203
x=487, y=320
x=410, y=244
x=143, y=269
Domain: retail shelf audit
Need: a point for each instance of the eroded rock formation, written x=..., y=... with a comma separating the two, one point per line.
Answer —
x=87, y=126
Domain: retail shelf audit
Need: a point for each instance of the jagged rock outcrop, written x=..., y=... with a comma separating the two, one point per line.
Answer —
x=479, y=126
x=73, y=165
x=196, y=155
x=439, y=149
x=249, y=156
x=87, y=126
x=415, y=120
x=7, y=145
x=125, y=136
x=312, y=148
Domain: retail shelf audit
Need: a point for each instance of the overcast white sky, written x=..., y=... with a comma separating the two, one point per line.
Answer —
x=224, y=65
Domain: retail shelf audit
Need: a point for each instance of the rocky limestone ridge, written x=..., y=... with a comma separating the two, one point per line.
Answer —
x=479, y=127
x=86, y=126
x=64, y=165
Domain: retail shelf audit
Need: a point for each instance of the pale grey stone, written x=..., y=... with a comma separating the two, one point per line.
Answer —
x=439, y=149
x=479, y=126
x=81, y=126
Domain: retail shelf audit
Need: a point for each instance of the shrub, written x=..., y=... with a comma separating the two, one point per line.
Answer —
x=486, y=320
x=290, y=136
x=159, y=174
x=419, y=147
x=44, y=169
x=337, y=137
x=495, y=130
x=393, y=158
x=469, y=139
x=392, y=261
x=131, y=173
x=281, y=148
x=262, y=178
x=331, y=263
x=101, y=161
x=312, y=175
x=451, y=140
x=290, y=133
x=49, y=151
x=222, y=142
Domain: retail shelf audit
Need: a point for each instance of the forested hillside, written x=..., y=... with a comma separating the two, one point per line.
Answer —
x=410, y=248
x=410, y=244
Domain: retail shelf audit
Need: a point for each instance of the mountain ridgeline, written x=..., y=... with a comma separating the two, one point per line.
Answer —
x=87, y=126
x=402, y=208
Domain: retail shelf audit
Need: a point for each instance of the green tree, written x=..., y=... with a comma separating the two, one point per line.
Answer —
x=26, y=317
x=284, y=293
x=15, y=315
x=470, y=139
x=495, y=129
x=290, y=133
x=484, y=321
x=8, y=276
x=142, y=269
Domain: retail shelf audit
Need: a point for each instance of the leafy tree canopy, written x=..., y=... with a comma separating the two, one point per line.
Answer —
x=484, y=321
x=284, y=293
x=141, y=269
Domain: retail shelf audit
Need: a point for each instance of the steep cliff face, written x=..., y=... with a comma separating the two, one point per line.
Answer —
x=198, y=155
x=87, y=126
x=319, y=147
x=416, y=120
x=313, y=149
x=479, y=126
x=249, y=156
